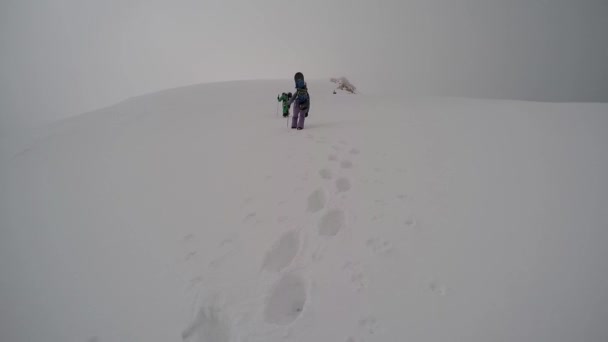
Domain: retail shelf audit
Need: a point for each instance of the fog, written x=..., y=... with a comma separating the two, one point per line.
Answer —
x=64, y=57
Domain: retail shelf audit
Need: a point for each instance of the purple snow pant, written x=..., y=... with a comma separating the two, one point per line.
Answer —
x=298, y=117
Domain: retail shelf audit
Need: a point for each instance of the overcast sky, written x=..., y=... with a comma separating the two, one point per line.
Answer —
x=65, y=57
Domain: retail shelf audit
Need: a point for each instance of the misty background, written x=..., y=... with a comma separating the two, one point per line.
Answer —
x=65, y=57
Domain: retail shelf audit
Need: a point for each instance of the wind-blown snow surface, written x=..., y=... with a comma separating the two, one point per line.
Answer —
x=194, y=214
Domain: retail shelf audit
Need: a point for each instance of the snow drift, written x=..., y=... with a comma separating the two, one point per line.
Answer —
x=195, y=214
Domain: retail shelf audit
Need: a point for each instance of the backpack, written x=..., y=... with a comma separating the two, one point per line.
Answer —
x=302, y=98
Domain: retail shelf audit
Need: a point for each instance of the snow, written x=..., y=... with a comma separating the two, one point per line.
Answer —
x=195, y=214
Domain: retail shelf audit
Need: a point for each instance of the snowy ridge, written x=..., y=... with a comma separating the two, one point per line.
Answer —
x=196, y=215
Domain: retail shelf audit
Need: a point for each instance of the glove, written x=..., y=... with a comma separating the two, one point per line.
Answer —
x=306, y=115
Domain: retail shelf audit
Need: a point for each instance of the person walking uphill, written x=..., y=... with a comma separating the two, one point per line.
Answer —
x=302, y=102
x=285, y=99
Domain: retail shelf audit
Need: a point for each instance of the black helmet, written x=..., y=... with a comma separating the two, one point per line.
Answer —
x=298, y=76
x=289, y=94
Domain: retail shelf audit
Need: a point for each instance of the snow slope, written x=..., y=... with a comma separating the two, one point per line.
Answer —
x=194, y=214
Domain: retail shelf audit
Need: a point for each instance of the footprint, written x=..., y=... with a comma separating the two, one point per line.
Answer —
x=217, y=262
x=380, y=202
x=249, y=217
x=226, y=252
x=226, y=242
x=207, y=326
x=286, y=301
x=438, y=288
x=195, y=281
x=188, y=238
x=316, y=256
x=379, y=247
x=402, y=197
x=282, y=252
x=346, y=164
x=369, y=324
x=325, y=173
x=316, y=201
x=190, y=255
x=332, y=222
x=411, y=223
x=357, y=278
x=354, y=151
x=332, y=157
x=343, y=184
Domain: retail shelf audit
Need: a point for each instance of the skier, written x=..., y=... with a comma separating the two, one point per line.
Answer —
x=302, y=102
x=285, y=99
